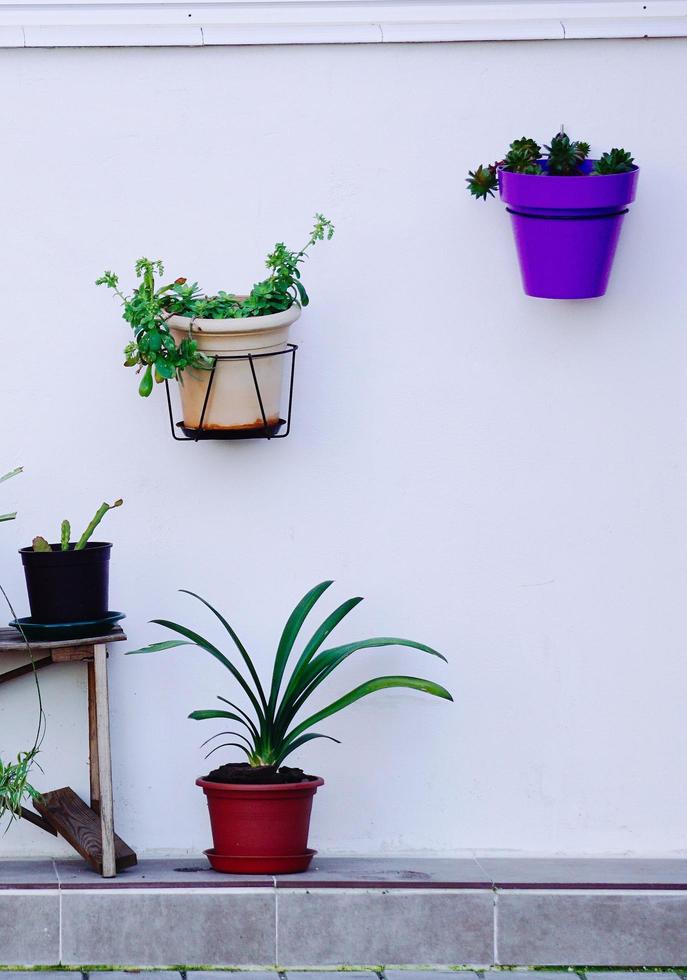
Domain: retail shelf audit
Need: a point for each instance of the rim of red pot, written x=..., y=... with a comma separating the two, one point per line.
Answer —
x=259, y=787
x=577, y=192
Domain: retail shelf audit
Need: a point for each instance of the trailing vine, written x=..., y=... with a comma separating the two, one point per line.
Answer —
x=15, y=786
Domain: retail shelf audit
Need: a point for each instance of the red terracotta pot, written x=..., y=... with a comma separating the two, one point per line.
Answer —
x=260, y=829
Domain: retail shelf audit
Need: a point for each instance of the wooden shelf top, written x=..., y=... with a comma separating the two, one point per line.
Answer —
x=11, y=641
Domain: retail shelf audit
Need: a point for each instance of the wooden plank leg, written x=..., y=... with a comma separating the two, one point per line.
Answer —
x=9, y=675
x=38, y=821
x=104, y=760
x=77, y=823
x=94, y=761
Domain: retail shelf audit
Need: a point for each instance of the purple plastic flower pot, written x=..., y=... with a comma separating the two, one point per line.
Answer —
x=567, y=228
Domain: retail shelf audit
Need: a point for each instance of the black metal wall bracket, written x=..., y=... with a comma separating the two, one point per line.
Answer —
x=266, y=431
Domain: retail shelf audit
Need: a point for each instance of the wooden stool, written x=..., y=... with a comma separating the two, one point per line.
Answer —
x=89, y=829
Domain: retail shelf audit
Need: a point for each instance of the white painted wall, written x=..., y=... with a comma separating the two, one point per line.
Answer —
x=500, y=476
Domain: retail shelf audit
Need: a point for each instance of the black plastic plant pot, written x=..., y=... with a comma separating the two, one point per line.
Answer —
x=68, y=586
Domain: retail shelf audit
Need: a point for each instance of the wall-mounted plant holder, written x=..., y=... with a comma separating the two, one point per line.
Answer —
x=566, y=229
x=241, y=398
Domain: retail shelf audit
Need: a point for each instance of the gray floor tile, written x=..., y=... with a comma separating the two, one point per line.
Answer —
x=131, y=975
x=47, y=974
x=640, y=872
x=431, y=975
x=27, y=874
x=592, y=929
x=388, y=872
x=231, y=975
x=200, y=928
x=169, y=872
x=619, y=975
x=533, y=975
x=331, y=975
x=342, y=928
x=29, y=928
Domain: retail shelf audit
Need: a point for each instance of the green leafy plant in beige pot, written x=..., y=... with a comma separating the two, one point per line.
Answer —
x=260, y=809
x=179, y=332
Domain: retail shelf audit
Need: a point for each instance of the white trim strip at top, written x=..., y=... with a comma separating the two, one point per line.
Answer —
x=109, y=23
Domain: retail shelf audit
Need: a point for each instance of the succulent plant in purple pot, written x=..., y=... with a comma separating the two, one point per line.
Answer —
x=566, y=229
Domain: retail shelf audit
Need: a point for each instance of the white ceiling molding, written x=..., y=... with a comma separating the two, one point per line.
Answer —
x=124, y=23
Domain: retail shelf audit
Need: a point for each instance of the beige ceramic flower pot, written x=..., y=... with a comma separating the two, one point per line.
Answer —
x=233, y=401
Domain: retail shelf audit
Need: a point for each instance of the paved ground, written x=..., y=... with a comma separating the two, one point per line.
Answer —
x=457, y=974
x=655, y=874
x=363, y=914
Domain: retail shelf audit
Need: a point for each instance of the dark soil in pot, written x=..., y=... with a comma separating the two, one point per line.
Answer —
x=240, y=773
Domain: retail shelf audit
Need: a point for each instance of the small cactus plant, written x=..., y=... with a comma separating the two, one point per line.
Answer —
x=564, y=158
x=41, y=544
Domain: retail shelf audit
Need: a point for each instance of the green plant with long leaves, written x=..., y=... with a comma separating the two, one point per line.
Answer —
x=154, y=349
x=270, y=730
x=563, y=157
x=15, y=786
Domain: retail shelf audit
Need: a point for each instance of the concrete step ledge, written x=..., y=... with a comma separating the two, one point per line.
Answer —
x=378, y=914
